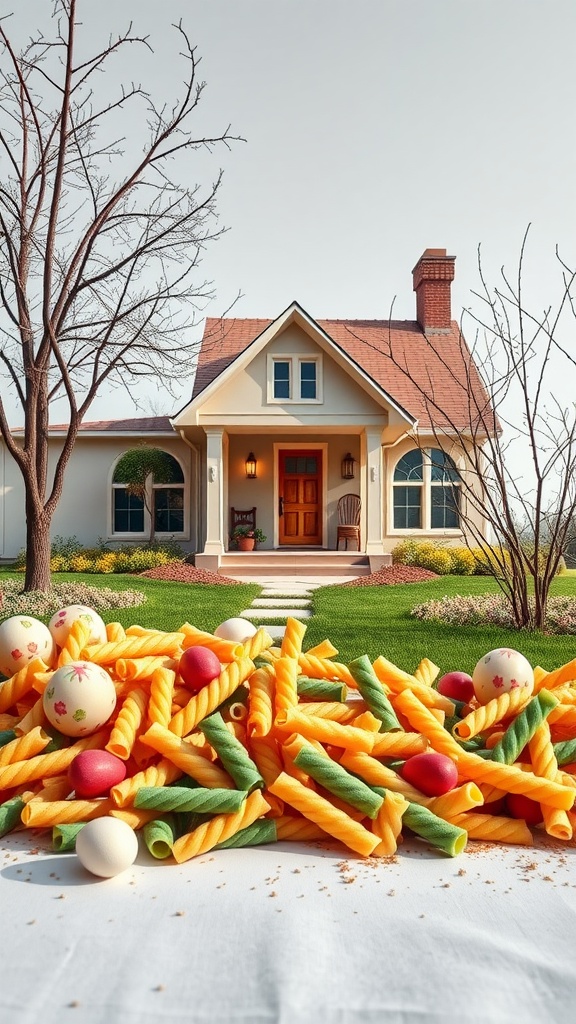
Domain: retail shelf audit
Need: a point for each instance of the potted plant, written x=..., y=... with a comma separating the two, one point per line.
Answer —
x=246, y=538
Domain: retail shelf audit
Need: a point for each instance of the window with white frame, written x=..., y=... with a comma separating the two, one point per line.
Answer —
x=426, y=490
x=294, y=378
x=163, y=502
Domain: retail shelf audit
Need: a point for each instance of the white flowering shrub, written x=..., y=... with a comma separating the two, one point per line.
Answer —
x=41, y=604
x=494, y=609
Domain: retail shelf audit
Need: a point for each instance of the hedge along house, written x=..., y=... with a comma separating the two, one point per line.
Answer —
x=286, y=417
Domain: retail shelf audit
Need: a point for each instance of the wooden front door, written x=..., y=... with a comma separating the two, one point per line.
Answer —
x=300, y=491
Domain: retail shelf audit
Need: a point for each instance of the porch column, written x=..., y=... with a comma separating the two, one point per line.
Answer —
x=214, y=493
x=373, y=491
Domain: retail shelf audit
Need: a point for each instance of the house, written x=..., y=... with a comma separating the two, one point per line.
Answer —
x=287, y=416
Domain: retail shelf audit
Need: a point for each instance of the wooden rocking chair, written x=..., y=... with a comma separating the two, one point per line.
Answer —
x=348, y=507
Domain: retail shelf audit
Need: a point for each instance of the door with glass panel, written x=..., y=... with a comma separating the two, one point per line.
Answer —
x=300, y=497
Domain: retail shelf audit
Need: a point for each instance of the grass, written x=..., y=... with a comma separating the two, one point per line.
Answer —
x=358, y=620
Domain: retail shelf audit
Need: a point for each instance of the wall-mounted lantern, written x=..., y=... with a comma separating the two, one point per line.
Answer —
x=348, y=467
x=251, y=466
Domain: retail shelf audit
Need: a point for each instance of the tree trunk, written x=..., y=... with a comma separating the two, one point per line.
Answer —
x=37, y=549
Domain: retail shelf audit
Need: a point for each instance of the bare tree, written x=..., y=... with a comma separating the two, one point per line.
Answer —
x=517, y=439
x=99, y=242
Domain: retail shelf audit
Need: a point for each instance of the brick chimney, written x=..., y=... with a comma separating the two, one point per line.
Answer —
x=432, y=277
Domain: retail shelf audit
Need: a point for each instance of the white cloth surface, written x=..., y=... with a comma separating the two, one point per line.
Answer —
x=290, y=934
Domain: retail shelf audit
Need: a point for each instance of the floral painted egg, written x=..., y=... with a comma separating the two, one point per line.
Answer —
x=500, y=671
x=237, y=630
x=62, y=620
x=22, y=639
x=79, y=698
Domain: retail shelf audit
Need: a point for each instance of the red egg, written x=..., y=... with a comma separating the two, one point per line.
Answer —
x=93, y=773
x=456, y=686
x=433, y=774
x=198, y=667
x=520, y=806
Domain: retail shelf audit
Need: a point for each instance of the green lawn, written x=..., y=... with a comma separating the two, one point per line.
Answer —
x=358, y=620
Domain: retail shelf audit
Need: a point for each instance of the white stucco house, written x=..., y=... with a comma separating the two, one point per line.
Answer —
x=286, y=416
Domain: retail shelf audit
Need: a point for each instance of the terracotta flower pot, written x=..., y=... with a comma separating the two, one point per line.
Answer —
x=246, y=543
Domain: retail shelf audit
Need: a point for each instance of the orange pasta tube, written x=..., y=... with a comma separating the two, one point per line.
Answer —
x=513, y=780
x=319, y=810
x=225, y=650
x=160, y=774
x=376, y=774
x=33, y=718
x=286, y=694
x=211, y=696
x=422, y=719
x=44, y=765
x=78, y=637
x=556, y=821
x=186, y=757
x=549, y=680
x=128, y=721
x=495, y=710
x=43, y=814
x=347, y=736
x=257, y=644
x=297, y=830
x=456, y=801
x=334, y=710
x=323, y=668
x=23, y=747
x=426, y=672
x=161, y=692
x=134, y=669
x=115, y=631
x=14, y=688
x=220, y=828
x=291, y=646
x=261, y=701
x=135, y=817
x=387, y=824
x=493, y=828
x=399, y=744
x=397, y=682
x=324, y=649
x=134, y=647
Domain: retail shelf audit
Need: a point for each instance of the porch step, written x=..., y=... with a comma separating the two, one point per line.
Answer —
x=294, y=563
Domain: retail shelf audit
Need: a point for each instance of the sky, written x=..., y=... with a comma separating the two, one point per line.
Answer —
x=373, y=129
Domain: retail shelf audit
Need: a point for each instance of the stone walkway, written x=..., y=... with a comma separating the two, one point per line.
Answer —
x=284, y=597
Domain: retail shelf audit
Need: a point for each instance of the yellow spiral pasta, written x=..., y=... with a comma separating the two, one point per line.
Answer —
x=549, y=680
x=323, y=668
x=426, y=672
x=297, y=830
x=456, y=801
x=325, y=649
x=211, y=696
x=128, y=721
x=43, y=814
x=556, y=821
x=399, y=744
x=495, y=710
x=225, y=650
x=285, y=690
x=134, y=647
x=423, y=720
x=135, y=669
x=493, y=828
x=44, y=765
x=346, y=736
x=219, y=828
x=387, y=824
x=186, y=757
x=115, y=631
x=160, y=774
x=377, y=774
x=57, y=788
x=336, y=711
x=76, y=640
x=396, y=681
x=256, y=645
x=14, y=688
x=563, y=715
x=33, y=718
x=161, y=692
x=513, y=779
x=25, y=746
x=329, y=818
x=133, y=816
x=291, y=646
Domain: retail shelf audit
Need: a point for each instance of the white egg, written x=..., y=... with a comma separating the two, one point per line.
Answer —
x=79, y=698
x=237, y=630
x=106, y=846
x=501, y=671
x=62, y=620
x=23, y=638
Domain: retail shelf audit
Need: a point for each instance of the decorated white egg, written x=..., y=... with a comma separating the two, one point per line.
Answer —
x=237, y=630
x=79, y=698
x=106, y=846
x=62, y=620
x=23, y=638
x=501, y=671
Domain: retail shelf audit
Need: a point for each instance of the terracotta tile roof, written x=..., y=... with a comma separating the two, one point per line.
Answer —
x=437, y=363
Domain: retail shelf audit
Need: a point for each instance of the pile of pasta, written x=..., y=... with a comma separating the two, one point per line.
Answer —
x=286, y=744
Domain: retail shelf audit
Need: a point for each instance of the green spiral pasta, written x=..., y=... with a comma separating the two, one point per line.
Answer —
x=232, y=753
x=10, y=812
x=321, y=689
x=260, y=832
x=64, y=837
x=523, y=727
x=451, y=839
x=181, y=798
x=6, y=736
x=372, y=691
x=338, y=781
x=565, y=751
x=159, y=836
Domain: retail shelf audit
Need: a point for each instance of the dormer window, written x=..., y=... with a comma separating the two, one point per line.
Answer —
x=294, y=379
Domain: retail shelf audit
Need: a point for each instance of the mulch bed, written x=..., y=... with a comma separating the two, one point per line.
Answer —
x=184, y=572
x=391, y=574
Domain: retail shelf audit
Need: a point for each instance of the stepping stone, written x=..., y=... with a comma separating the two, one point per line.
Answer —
x=276, y=631
x=280, y=602
x=276, y=613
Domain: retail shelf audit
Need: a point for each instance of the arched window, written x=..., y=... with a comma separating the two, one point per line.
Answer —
x=426, y=491
x=158, y=508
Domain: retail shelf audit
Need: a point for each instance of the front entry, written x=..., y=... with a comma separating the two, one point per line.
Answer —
x=300, y=497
